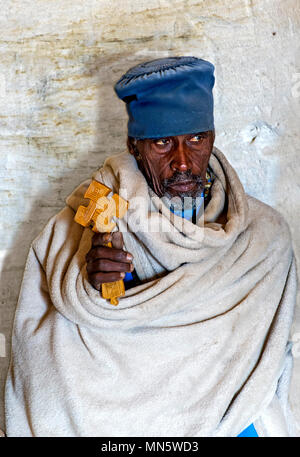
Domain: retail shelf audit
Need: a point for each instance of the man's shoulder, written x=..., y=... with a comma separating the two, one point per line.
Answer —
x=59, y=229
x=267, y=222
x=61, y=226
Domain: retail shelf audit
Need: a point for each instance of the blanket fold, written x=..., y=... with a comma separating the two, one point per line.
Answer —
x=199, y=348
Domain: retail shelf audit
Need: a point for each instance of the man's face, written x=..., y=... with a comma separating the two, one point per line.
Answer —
x=174, y=166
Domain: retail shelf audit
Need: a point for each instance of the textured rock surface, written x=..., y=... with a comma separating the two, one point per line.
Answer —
x=59, y=117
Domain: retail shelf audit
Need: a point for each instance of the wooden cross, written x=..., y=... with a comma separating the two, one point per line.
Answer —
x=98, y=214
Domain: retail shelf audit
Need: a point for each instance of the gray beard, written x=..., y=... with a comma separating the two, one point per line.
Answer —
x=184, y=200
x=184, y=196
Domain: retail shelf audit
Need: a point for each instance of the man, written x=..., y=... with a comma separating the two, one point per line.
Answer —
x=173, y=166
x=198, y=346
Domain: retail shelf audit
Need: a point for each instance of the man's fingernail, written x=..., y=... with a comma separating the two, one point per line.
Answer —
x=122, y=275
x=129, y=257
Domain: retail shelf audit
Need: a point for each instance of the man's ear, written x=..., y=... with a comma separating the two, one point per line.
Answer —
x=132, y=149
x=130, y=145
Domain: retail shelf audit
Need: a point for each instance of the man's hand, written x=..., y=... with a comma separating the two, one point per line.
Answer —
x=106, y=264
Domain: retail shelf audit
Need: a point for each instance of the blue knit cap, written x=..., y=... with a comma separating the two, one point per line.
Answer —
x=168, y=97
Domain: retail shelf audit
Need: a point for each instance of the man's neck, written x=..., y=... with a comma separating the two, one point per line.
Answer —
x=190, y=211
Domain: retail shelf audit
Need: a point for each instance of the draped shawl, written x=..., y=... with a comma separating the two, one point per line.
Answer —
x=199, y=348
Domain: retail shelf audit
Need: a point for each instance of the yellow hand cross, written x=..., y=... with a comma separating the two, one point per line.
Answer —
x=99, y=213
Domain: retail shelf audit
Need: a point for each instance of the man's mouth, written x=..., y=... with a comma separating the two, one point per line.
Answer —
x=183, y=186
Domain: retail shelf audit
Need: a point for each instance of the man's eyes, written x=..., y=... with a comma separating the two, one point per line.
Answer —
x=162, y=141
x=166, y=141
x=196, y=138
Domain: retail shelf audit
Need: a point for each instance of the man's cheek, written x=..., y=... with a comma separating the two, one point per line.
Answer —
x=163, y=169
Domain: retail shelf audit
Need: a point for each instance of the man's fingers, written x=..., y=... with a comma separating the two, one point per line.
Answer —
x=97, y=279
x=117, y=240
x=101, y=239
x=117, y=255
x=100, y=265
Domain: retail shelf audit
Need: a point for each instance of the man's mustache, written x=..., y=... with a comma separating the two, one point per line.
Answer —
x=179, y=177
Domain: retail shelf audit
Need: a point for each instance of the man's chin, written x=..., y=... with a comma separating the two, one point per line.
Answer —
x=194, y=193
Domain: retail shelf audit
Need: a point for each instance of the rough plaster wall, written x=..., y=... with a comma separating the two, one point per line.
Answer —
x=59, y=117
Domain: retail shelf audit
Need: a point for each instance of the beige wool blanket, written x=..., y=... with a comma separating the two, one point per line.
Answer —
x=200, y=348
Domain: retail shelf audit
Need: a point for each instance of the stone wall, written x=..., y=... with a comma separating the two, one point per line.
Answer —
x=59, y=117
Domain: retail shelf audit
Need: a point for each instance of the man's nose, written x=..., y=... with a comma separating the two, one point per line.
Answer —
x=181, y=160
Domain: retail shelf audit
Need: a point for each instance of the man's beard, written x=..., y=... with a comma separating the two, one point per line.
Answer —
x=178, y=178
x=182, y=201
